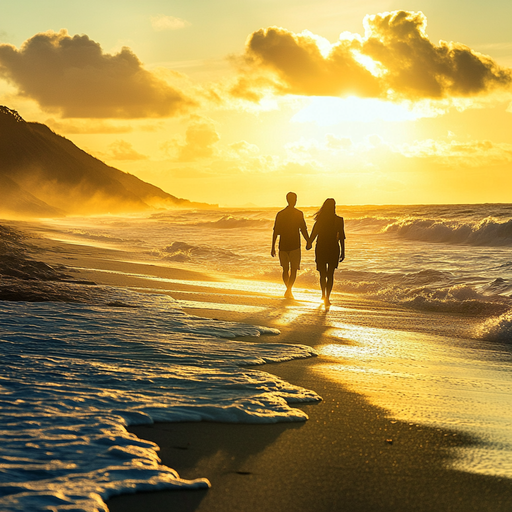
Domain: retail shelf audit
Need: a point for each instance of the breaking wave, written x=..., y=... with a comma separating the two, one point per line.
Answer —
x=429, y=290
x=230, y=222
x=372, y=224
x=497, y=329
x=100, y=237
x=487, y=232
x=183, y=252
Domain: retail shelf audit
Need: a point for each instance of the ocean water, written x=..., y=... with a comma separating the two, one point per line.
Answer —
x=452, y=259
x=74, y=375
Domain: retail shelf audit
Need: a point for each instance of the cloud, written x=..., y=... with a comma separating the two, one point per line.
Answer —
x=122, y=150
x=200, y=139
x=338, y=143
x=72, y=76
x=417, y=68
x=163, y=22
x=395, y=60
x=302, y=67
x=87, y=126
x=243, y=148
x=475, y=153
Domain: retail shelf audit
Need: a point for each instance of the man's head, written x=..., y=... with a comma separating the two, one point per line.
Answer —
x=291, y=197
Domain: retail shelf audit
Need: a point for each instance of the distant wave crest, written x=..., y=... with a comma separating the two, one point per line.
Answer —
x=183, y=252
x=231, y=222
x=487, y=232
x=372, y=224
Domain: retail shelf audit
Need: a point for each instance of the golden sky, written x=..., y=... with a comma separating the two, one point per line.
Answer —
x=237, y=102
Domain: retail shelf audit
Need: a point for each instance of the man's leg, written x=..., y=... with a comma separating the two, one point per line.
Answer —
x=284, y=260
x=291, y=280
x=294, y=266
x=286, y=276
x=291, y=273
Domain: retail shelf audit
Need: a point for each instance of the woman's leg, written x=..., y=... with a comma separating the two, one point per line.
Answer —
x=323, y=279
x=329, y=282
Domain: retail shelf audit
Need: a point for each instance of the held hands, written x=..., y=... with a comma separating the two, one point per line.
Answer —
x=308, y=246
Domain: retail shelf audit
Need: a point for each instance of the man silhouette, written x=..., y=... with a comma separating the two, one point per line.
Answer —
x=289, y=224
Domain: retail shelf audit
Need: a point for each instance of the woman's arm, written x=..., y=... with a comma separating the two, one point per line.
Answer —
x=314, y=234
x=342, y=250
x=341, y=239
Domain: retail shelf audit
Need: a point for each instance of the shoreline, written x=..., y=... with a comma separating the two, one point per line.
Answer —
x=350, y=455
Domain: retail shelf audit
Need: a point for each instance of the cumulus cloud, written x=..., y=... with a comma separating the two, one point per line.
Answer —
x=87, y=126
x=334, y=152
x=395, y=59
x=244, y=148
x=73, y=76
x=122, y=150
x=163, y=22
x=337, y=143
x=302, y=67
x=200, y=139
x=471, y=154
x=331, y=144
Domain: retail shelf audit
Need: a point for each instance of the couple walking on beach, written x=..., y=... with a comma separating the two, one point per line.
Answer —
x=329, y=230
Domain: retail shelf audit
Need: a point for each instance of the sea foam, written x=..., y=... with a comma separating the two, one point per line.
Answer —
x=73, y=376
x=497, y=329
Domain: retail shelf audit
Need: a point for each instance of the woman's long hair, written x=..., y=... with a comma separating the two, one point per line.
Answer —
x=327, y=211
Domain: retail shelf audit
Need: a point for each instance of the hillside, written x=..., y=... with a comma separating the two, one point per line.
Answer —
x=44, y=174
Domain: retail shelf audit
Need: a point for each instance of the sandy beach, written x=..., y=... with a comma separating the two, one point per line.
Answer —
x=255, y=256
x=350, y=455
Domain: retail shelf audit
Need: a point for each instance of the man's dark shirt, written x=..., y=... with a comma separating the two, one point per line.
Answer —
x=288, y=225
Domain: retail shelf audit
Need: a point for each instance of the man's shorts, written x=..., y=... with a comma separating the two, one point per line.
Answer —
x=291, y=258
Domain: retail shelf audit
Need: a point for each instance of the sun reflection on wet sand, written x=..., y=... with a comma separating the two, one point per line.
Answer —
x=431, y=380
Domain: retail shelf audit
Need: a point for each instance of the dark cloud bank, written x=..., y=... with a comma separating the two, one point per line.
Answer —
x=406, y=64
x=72, y=76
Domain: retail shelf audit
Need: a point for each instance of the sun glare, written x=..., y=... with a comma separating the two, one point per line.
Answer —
x=327, y=111
x=371, y=65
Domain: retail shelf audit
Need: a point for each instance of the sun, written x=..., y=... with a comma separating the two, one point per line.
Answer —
x=329, y=111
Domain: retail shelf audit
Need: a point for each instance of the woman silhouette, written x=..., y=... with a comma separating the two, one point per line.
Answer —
x=330, y=246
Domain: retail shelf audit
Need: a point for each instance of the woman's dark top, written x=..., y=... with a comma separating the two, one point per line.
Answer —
x=330, y=230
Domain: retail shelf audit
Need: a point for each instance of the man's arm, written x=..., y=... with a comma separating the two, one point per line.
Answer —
x=314, y=234
x=304, y=230
x=274, y=238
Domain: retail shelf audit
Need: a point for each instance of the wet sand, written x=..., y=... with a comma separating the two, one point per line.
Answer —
x=349, y=456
